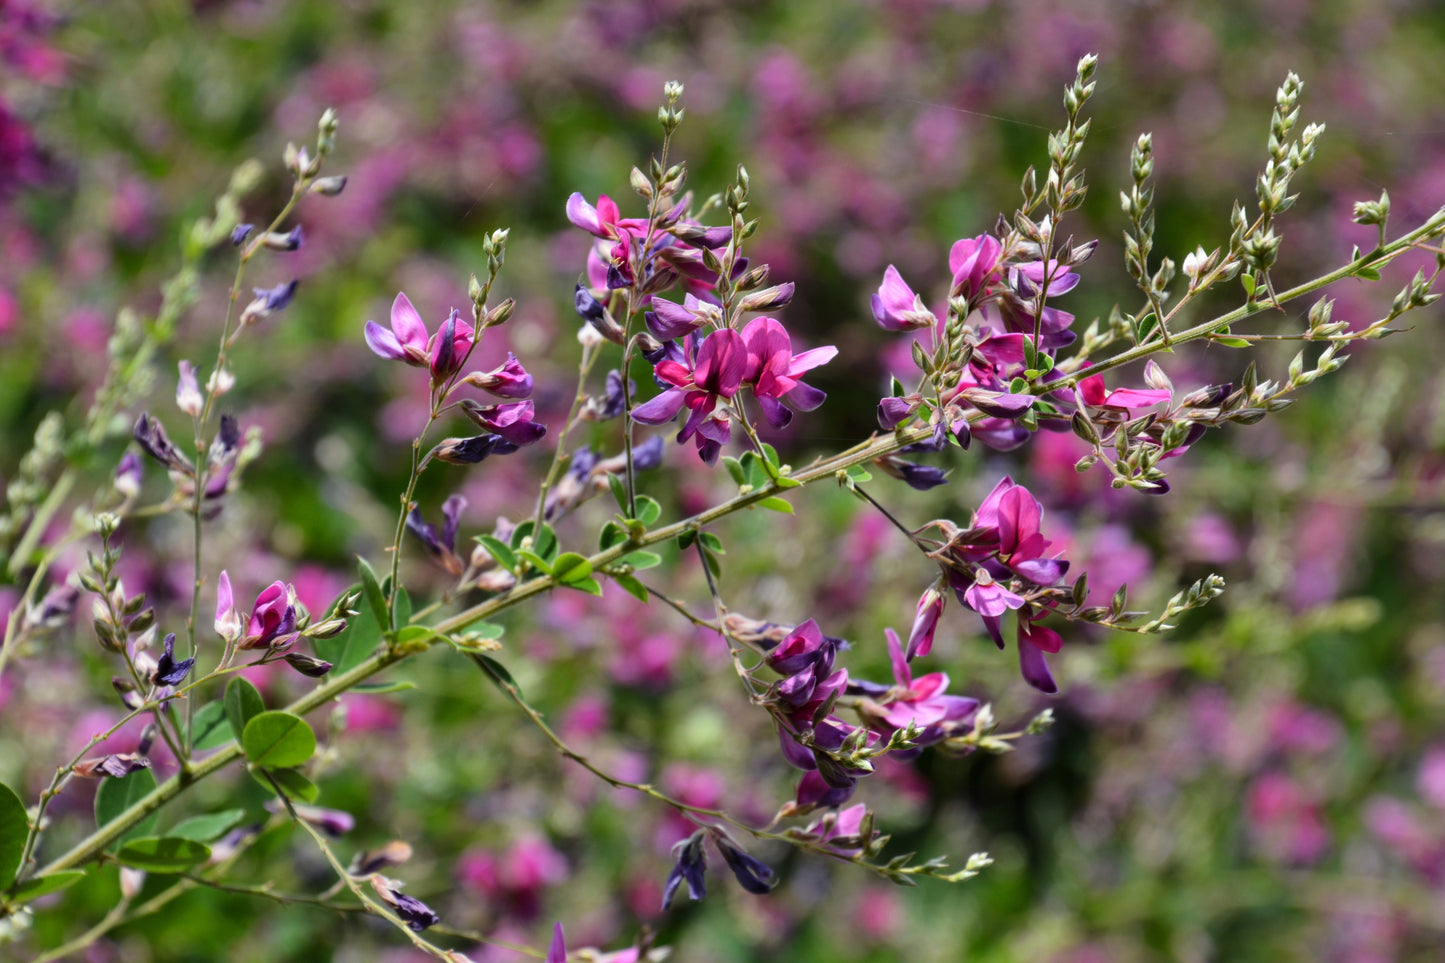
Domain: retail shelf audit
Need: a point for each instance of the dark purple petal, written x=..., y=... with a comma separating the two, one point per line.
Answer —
x=1036, y=668
x=691, y=861
x=168, y=670
x=661, y=409
x=752, y=874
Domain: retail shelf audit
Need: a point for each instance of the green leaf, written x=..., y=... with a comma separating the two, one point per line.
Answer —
x=1247, y=280
x=776, y=504
x=278, y=740
x=163, y=854
x=205, y=828
x=783, y=481
x=612, y=534
x=38, y=886
x=1368, y=273
x=293, y=784
x=712, y=543
x=685, y=540
x=771, y=454
x=377, y=688
x=619, y=491
x=1231, y=342
x=371, y=588
x=642, y=561
x=210, y=728
x=571, y=567
x=734, y=468
x=14, y=828
x=648, y=509
x=499, y=550
x=243, y=702
x=631, y=586
x=589, y=585
x=495, y=671
x=536, y=561
x=859, y=474
x=115, y=796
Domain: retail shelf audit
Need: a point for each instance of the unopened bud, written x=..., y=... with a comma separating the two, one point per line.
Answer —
x=329, y=186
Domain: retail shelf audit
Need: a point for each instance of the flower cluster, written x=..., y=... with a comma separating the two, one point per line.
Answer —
x=1001, y=563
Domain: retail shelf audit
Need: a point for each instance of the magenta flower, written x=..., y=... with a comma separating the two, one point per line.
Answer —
x=600, y=221
x=512, y=421
x=273, y=619
x=1021, y=545
x=922, y=701
x=773, y=371
x=1131, y=400
x=974, y=263
x=409, y=341
x=925, y=621
x=557, y=952
x=842, y=831
x=510, y=380
x=896, y=307
x=228, y=623
x=716, y=375
x=1034, y=641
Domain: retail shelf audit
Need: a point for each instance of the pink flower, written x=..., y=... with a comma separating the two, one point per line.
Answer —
x=409, y=341
x=773, y=370
x=922, y=701
x=974, y=263
x=273, y=620
x=716, y=375
x=896, y=307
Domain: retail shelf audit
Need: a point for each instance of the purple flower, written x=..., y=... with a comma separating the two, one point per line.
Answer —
x=512, y=420
x=228, y=623
x=168, y=670
x=151, y=436
x=440, y=546
x=273, y=619
x=557, y=952
x=274, y=299
x=670, y=321
x=409, y=341
x=717, y=372
x=188, y=391
x=892, y=412
x=814, y=791
x=691, y=861
x=974, y=263
x=922, y=701
x=1034, y=641
x=897, y=308
x=128, y=475
x=752, y=874
x=773, y=371
x=925, y=621
x=241, y=232
x=511, y=380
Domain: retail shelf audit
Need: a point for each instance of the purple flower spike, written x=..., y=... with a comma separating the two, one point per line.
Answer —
x=691, y=861
x=897, y=308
